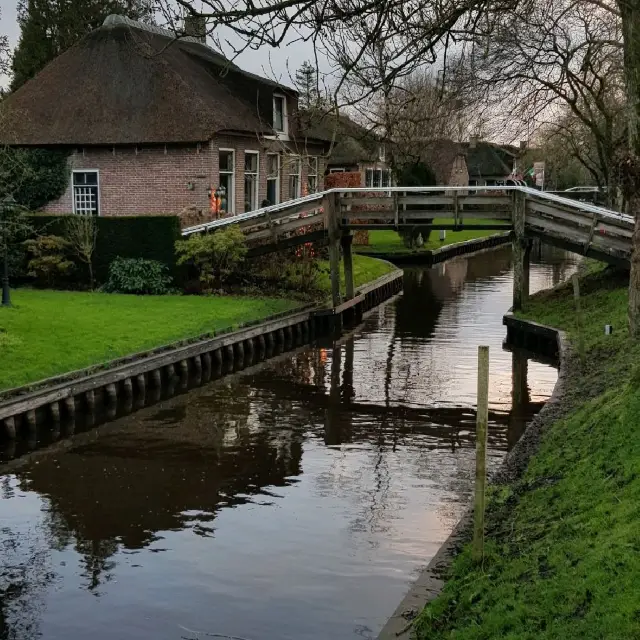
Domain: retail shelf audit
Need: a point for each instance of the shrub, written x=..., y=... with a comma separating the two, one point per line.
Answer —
x=216, y=256
x=138, y=276
x=49, y=261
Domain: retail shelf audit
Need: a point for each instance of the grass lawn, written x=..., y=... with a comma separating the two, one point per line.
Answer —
x=391, y=242
x=365, y=269
x=563, y=544
x=52, y=332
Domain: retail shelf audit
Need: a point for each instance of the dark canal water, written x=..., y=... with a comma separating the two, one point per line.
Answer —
x=296, y=500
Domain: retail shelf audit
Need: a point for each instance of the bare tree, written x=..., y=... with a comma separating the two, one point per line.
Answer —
x=82, y=233
x=554, y=64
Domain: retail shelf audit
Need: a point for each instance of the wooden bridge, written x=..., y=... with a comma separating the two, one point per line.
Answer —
x=334, y=214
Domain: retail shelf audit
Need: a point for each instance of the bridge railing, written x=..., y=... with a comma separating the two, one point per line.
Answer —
x=393, y=207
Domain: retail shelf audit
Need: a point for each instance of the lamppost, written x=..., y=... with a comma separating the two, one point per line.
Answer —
x=7, y=207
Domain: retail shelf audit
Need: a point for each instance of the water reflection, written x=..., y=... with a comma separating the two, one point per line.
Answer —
x=295, y=501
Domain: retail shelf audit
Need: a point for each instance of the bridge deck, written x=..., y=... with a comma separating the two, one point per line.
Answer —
x=577, y=226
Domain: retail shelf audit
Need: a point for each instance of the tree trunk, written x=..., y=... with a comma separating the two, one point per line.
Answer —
x=630, y=13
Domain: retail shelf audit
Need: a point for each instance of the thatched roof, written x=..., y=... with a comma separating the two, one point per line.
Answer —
x=126, y=83
x=439, y=155
x=488, y=160
x=352, y=143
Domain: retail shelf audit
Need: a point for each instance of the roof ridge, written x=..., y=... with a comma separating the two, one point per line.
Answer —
x=116, y=19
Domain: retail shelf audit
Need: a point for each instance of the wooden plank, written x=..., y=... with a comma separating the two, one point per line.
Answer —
x=284, y=227
x=434, y=227
x=347, y=304
x=503, y=201
x=580, y=217
x=344, y=201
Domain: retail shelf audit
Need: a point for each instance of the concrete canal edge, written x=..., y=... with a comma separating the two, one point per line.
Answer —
x=432, y=579
x=128, y=379
x=435, y=256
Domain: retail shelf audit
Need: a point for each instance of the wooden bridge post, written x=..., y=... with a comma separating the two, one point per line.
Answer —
x=347, y=241
x=331, y=204
x=520, y=252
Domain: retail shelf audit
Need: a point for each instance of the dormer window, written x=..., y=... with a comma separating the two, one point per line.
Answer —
x=279, y=114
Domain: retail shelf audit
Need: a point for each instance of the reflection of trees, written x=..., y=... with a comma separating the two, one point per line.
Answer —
x=165, y=469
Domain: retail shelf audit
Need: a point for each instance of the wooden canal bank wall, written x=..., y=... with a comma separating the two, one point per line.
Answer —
x=435, y=256
x=138, y=380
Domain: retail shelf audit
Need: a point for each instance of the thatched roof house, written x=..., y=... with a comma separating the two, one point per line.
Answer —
x=165, y=120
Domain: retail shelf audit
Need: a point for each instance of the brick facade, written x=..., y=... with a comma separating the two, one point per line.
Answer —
x=170, y=179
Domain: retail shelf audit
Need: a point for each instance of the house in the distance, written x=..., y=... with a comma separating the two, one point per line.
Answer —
x=352, y=148
x=476, y=163
x=159, y=125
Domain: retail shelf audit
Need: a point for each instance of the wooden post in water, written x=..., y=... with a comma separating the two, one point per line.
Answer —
x=331, y=204
x=520, y=274
x=482, y=418
x=347, y=241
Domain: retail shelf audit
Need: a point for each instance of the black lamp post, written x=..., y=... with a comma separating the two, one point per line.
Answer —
x=7, y=207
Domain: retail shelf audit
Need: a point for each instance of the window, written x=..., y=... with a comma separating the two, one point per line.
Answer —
x=312, y=174
x=227, y=164
x=337, y=170
x=251, y=163
x=273, y=178
x=279, y=114
x=382, y=152
x=86, y=199
x=377, y=178
x=293, y=170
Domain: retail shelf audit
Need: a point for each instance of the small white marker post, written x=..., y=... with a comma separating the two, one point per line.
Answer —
x=482, y=419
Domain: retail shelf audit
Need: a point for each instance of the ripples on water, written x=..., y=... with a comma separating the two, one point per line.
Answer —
x=296, y=502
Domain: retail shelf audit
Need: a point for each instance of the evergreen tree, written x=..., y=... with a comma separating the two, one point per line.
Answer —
x=306, y=82
x=50, y=27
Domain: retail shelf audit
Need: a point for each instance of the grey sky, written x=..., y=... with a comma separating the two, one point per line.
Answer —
x=278, y=64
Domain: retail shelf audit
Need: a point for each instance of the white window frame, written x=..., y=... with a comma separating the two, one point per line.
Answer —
x=231, y=198
x=277, y=178
x=289, y=174
x=253, y=152
x=376, y=170
x=73, y=189
x=316, y=174
x=337, y=170
x=285, y=123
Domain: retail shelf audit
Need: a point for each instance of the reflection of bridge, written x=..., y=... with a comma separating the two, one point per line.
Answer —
x=577, y=226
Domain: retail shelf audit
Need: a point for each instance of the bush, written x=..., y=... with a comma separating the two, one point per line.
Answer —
x=149, y=237
x=49, y=260
x=138, y=276
x=216, y=256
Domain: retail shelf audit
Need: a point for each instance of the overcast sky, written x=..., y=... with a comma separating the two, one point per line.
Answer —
x=279, y=64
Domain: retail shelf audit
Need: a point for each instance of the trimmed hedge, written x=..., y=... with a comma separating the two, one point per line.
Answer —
x=149, y=237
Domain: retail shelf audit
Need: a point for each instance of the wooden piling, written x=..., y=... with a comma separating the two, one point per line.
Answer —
x=54, y=410
x=347, y=256
x=10, y=427
x=332, y=223
x=30, y=421
x=482, y=418
x=70, y=407
x=519, y=250
x=206, y=365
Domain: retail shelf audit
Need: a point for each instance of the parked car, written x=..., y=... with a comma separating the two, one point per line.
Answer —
x=583, y=190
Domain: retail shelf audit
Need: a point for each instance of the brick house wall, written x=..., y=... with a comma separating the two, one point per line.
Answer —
x=169, y=179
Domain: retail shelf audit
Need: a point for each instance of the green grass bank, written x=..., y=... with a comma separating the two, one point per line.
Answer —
x=562, y=542
x=390, y=242
x=47, y=333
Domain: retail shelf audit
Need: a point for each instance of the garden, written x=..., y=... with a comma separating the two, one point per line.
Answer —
x=94, y=289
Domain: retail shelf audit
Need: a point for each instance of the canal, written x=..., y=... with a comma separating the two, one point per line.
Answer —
x=295, y=500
